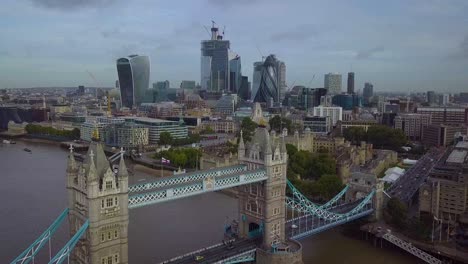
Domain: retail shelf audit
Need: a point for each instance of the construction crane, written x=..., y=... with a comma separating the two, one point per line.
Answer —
x=95, y=81
x=310, y=82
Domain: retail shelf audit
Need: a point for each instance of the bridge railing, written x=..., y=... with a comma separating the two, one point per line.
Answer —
x=29, y=254
x=191, y=188
x=187, y=177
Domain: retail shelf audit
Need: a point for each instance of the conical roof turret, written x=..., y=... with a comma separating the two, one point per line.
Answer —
x=122, y=167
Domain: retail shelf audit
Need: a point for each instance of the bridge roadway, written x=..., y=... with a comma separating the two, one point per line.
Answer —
x=408, y=184
x=220, y=252
x=217, y=253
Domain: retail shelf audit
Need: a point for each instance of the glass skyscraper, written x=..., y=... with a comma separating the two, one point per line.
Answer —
x=235, y=72
x=266, y=77
x=134, y=72
x=215, y=62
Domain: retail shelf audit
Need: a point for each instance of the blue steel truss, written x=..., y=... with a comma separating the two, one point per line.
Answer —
x=327, y=205
x=301, y=203
x=64, y=253
x=186, y=178
x=32, y=250
x=200, y=184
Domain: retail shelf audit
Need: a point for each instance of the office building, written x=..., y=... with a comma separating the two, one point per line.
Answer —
x=157, y=126
x=235, y=72
x=127, y=135
x=318, y=124
x=332, y=83
x=88, y=128
x=226, y=105
x=281, y=66
x=215, y=62
x=444, y=195
x=368, y=91
x=350, y=87
x=266, y=87
x=134, y=73
x=412, y=124
x=441, y=135
x=364, y=124
x=444, y=99
x=335, y=113
x=245, y=89
x=162, y=85
x=309, y=98
x=446, y=115
x=431, y=97
x=188, y=85
x=347, y=101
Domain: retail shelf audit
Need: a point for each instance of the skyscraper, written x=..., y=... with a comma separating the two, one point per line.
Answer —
x=235, y=72
x=215, y=62
x=368, y=91
x=134, y=72
x=350, y=83
x=332, y=83
x=431, y=97
x=266, y=84
x=282, y=79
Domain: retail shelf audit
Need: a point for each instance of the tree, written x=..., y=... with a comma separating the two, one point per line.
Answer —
x=277, y=123
x=396, y=213
x=386, y=137
x=329, y=185
x=354, y=134
x=165, y=138
x=248, y=128
x=207, y=130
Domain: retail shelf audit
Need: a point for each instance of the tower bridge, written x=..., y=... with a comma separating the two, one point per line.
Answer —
x=99, y=199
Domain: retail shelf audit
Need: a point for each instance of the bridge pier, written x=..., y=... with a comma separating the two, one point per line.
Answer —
x=293, y=256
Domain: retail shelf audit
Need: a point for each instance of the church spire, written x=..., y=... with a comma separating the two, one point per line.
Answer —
x=241, y=141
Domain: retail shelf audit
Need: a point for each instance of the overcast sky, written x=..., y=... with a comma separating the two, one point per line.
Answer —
x=399, y=45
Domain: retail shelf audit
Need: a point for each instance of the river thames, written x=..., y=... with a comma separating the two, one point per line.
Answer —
x=33, y=194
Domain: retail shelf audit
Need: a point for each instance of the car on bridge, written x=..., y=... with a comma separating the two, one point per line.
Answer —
x=198, y=258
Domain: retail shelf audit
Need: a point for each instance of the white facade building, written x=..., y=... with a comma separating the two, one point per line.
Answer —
x=335, y=113
x=332, y=83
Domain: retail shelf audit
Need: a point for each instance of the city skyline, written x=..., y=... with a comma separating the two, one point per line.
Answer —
x=426, y=50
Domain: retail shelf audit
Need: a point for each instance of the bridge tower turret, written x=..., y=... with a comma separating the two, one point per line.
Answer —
x=99, y=193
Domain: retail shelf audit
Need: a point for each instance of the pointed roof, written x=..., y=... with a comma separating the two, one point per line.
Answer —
x=99, y=158
x=262, y=139
x=241, y=141
x=283, y=145
x=267, y=145
x=122, y=168
x=92, y=173
x=71, y=165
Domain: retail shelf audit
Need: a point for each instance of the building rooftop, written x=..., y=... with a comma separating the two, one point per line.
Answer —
x=149, y=119
x=462, y=145
x=457, y=156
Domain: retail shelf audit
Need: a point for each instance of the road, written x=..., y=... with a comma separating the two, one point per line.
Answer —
x=408, y=184
x=217, y=253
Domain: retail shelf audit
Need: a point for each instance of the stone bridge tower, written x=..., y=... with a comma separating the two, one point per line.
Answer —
x=362, y=184
x=98, y=192
x=262, y=205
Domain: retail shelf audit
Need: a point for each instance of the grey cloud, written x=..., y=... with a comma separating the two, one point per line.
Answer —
x=366, y=54
x=230, y=3
x=73, y=4
x=110, y=33
x=464, y=47
x=299, y=33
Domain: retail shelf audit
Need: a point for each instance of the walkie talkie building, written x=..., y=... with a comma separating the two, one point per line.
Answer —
x=134, y=72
